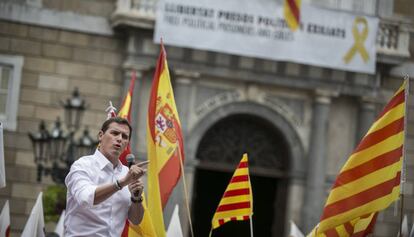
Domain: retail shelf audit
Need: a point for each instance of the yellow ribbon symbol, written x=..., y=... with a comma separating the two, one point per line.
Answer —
x=359, y=38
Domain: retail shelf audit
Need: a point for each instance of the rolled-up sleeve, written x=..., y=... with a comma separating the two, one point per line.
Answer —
x=80, y=185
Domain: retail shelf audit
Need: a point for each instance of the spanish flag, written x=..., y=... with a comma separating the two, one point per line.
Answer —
x=370, y=179
x=165, y=143
x=237, y=201
x=291, y=11
x=125, y=112
x=145, y=228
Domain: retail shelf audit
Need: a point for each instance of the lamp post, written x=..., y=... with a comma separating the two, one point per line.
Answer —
x=55, y=151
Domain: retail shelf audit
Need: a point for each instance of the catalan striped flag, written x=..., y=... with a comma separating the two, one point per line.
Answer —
x=164, y=141
x=365, y=225
x=359, y=227
x=291, y=10
x=370, y=179
x=237, y=201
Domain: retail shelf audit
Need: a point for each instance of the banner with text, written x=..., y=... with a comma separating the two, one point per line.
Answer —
x=325, y=38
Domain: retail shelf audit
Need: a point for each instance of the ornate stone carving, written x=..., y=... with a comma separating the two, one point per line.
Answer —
x=227, y=140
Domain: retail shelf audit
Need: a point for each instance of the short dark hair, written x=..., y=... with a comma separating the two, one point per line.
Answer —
x=117, y=120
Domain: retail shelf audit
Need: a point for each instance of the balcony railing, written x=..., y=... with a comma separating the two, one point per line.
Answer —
x=392, y=39
x=138, y=13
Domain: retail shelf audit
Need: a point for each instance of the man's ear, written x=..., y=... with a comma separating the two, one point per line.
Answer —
x=100, y=134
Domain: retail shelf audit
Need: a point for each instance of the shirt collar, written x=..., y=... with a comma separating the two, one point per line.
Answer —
x=103, y=161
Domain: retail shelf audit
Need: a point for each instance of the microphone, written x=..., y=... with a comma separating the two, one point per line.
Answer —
x=130, y=158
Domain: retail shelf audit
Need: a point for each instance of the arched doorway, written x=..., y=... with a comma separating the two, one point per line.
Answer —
x=220, y=149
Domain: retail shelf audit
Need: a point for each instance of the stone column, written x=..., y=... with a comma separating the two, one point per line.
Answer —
x=315, y=183
x=136, y=117
x=366, y=116
x=139, y=103
x=182, y=91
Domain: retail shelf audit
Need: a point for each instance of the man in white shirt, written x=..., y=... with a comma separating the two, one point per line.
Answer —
x=97, y=201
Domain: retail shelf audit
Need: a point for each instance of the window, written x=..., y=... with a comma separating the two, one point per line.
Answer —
x=10, y=74
x=367, y=7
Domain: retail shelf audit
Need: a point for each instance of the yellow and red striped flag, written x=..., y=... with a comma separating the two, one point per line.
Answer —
x=370, y=179
x=164, y=141
x=237, y=201
x=125, y=112
x=291, y=10
x=359, y=227
x=365, y=226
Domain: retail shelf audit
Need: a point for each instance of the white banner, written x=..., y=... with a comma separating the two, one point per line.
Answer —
x=326, y=38
x=60, y=226
x=5, y=220
x=174, y=228
x=35, y=225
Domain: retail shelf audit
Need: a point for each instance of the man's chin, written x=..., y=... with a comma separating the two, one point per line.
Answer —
x=115, y=153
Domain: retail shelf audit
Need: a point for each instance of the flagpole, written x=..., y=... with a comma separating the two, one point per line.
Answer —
x=185, y=190
x=251, y=226
x=403, y=168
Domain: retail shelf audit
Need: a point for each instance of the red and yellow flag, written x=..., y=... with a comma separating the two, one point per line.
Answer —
x=125, y=112
x=237, y=201
x=143, y=229
x=370, y=179
x=165, y=143
x=359, y=227
x=365, y=226
x=291, y=10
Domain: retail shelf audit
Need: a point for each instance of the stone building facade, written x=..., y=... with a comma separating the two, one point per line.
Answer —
x=298, y=123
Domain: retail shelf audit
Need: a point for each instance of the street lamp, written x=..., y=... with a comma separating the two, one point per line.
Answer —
x=54, y=151
x=74, y=108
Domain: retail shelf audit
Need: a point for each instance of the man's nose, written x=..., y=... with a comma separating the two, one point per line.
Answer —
x=119, y=137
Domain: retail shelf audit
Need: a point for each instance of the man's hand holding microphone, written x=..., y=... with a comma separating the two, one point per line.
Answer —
x=133, y=178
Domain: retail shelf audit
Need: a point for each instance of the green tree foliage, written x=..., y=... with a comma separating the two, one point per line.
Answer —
x=54, y=202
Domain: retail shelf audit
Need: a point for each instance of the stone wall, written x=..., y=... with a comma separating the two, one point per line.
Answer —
x=404, y=7
x=55, y=62
x=87, y=7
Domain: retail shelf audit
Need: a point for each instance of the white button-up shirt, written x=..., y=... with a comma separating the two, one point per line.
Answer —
x=83, y=218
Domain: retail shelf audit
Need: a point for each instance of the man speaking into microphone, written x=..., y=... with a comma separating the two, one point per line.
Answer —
x=102, y=192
